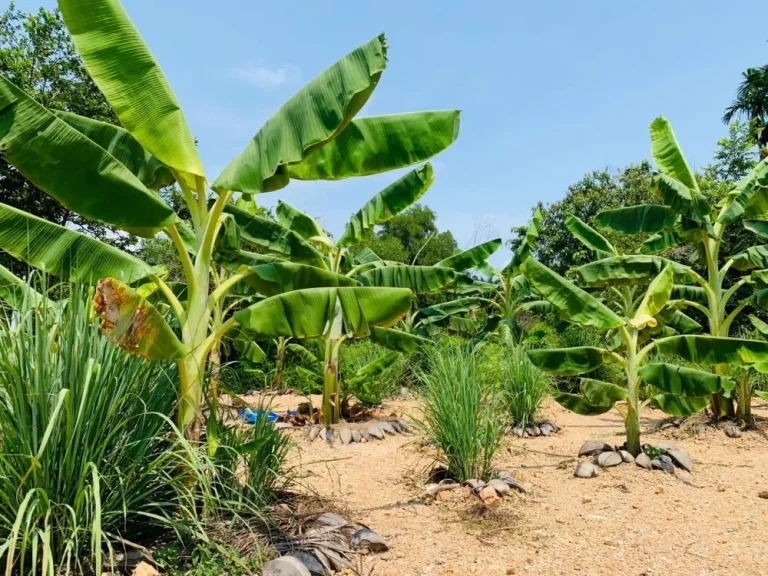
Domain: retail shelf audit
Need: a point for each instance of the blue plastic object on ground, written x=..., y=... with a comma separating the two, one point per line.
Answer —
x=251, y=416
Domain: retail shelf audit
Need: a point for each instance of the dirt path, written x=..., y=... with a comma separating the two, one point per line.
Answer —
x=626, y=521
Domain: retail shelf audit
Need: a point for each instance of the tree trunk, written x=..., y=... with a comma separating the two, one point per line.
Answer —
x=279, y=364
x=329, y=383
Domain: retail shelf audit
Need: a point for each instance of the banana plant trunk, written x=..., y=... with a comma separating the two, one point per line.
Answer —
x=331, y=408
x=632, y=417
x=279, y=364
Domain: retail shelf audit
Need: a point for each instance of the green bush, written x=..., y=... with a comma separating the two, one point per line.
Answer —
x=374, y=390
x=461, y=411
x=521, y=385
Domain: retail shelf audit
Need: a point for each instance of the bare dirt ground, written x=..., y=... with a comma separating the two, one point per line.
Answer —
x=626, y=521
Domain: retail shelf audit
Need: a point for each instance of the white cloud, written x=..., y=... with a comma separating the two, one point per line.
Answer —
x=266, y=78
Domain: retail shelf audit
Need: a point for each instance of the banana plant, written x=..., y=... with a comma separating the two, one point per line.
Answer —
x=685, y=215
x=111, y=174
x=681, y=390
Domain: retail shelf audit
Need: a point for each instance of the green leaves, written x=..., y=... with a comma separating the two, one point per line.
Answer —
x=73, y=169
x=123, y=68
x=397, y=340
x=279, y=277
x=576, y=304
x=748, y=197
x=310, y=313
x=679, y=406
x=752, y=257
x=588, y=236
x=297, y=221
x=380, y=143
x=568, y=361
x=637, y=219
x=759, y=227
x=388, y=203
x=470, y=258
x=15, y=291
x=579, y=405
x=667, y=154
x=714, y=350
x=132, y=323
x=526, y=246
x=620, y=270
x=420, y=279
x=681, y=381
x=599, y=393
x=654, y=301
x=63, y=252
x=374, y=368
x=315, y=115
x=274, y=237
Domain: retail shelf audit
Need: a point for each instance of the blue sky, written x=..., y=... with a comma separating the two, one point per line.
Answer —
x=548, y=90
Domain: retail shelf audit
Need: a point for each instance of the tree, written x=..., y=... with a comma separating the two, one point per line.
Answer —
x=751, y=102
x=38, y=55
x=411, y=237
x=110, y=174
x=595, y=192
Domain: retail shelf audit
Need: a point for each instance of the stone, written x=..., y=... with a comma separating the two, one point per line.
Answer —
x=356, y=436
x=444, y=496
x=546, y=429
x=366, y=435
x=594, y=447
x=609, y=459
x=310, y=561
x=328, y=432
x=285, y=566
x=435, y=489
x=283, y=425
x=499, y=485
x=447, y=482
x=664, y=463
x=404, y=426
x=396, y=425
x=388, y=428
x=144, y=569
x=666, y=446
x=586, y=499
x=732, y=431
x=681, y=459
x=519, y=431
x=585, y=470
x=536, y=430
x=659, y=490
x=346, y=435
x=763, y=494
x=643, y=461
x=490, y=497
x=531, y=431
x=551, y=423
x=366, y=539
x=475, y=484
x=513, y=482
x=331, y=519
x=376, y=432
x=626, y=456
x=313, y=433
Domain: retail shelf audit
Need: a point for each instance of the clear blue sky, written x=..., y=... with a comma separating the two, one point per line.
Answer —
x=548, y=90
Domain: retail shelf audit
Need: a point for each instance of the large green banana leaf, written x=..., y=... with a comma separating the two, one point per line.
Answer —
x=576, y=304
x=475, y=256
x=714, y=350
x=599, y=393
x=315, y=115
x=637, y=219
x=458, y=306
x=679, y=321
x=373, y=368
x=279, y=277
x=588, y=236
x=125, y=71
x=691, y=293
x=124, y=147
x=752, y=257
x=299, y=350
x=578, y=404
x=654, y=300
x=526, y=246
x=310, y=313
x=677, y=183
x=569, y=361
x=679, y=406
x=681, y=381
x=420, y=279
x=235, y=262
x=132, y=323
x=73, y=169
x=16, y=292
x=274, y=237
x=63, y=252
x=621, y=270
x=388, y=203
x=380, y=143
x=397, y=340
x=366, y=256
x=749, y=197
x=758, y=299
x=660, y=241
x=297, y=221
x=759, y=325
x=759, y=227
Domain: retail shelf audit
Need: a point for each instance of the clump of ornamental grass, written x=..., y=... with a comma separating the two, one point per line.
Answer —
x=522, y=386
x=461, y=411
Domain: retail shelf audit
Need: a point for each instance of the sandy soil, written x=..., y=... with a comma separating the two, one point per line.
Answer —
x=626, y=521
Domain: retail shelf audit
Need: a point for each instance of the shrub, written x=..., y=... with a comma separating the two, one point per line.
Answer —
x=373, y=390
x=522, y=386
x=461, y=413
